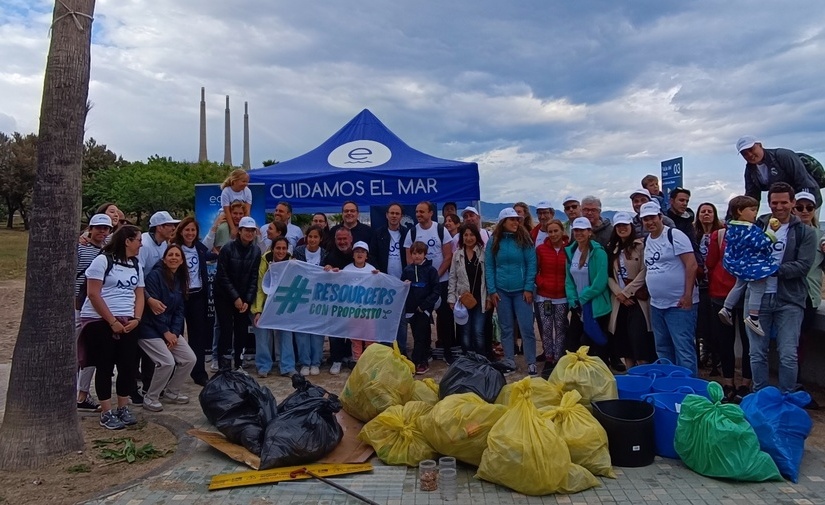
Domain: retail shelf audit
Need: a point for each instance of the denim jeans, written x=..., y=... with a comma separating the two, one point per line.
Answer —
x=310, y=348
x=512, y=309
x=472, y=338
x=287, y=363
x=401, y=336
x=782, y=321
x=674, y=331
x=266, y=349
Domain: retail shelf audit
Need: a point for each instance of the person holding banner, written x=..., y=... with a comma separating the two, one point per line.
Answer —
x=311, y=252
x=360, y=252
x=337, y=258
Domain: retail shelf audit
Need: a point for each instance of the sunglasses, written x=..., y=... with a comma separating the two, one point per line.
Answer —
x=571, y=207
x=804, y=208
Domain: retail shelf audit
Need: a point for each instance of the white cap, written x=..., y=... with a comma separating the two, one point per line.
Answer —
x=544, y=204
x=247, y=222
x=746, y=142
x=460, y=313
x=650, y=209
x=569, y=198
x=802, y=195
x=507, y=212
x=622, y=218
x=361, y=245
x=100, y=220
x=581, y=223
x=470, y=209
x=641, y=191
x=161, y=218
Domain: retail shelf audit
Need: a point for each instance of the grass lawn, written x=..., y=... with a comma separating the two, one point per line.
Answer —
x=13, y=244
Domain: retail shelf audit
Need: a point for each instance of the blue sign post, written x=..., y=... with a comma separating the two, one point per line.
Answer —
x=672, y=177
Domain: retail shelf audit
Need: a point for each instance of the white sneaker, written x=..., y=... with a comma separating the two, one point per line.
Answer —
x=214, y=365
x=754, y=326
x=335, y=369
x=178, y=398
x=314, y=370
x=725, y=317
x=152, y=405
x=304, y=371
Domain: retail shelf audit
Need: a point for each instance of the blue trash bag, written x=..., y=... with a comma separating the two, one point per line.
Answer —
x=781, y=425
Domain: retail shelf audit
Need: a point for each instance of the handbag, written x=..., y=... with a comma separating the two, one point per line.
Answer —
x=467, y=299
x=642, y=293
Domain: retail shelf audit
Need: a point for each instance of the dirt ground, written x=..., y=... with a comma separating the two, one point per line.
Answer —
x=79, y=477
x=11, y=305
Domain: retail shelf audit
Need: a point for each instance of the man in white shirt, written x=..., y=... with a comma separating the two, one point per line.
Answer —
x=671, y=280
x=387, y=255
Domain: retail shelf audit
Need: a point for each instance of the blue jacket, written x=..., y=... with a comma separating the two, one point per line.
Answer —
x=748, y=252
x=513, y=269
x=424, y=287
x=152, y=326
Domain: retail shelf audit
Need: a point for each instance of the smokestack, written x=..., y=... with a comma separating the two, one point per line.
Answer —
x=227, y=138
x=202, y=151
x=245, y=165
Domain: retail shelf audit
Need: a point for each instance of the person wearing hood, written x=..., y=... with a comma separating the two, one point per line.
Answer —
x=600, y=226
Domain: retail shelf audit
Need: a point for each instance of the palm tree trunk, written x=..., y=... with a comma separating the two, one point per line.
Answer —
x=41, y=419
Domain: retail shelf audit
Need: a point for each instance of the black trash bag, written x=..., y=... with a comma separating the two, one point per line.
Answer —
x=304, y=390
x=305, y=431
x=472, y=373
x=239, y=407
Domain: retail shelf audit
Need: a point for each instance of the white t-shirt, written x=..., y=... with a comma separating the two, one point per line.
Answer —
x=434, y=244
x=193, y=264
x=314, y=258
x=150, y=252
x=622, y=273
x=665, y=270
x=394, y=267
x=580, y=275
x=352, y=268
x=293, y=235
x=540, y=238
x=228, y=195
x=778, y=252
x=118, y=289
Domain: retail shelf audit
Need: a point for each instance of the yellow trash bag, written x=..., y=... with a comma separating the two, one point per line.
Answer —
x=425, y=391
x=544, y=394
x=585, y=437
x=395, y=436
x=458, y=425
x=381, y=378
x=526, y=453
x=586, y=374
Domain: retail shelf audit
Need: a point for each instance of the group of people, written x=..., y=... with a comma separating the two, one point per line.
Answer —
x=645, y=285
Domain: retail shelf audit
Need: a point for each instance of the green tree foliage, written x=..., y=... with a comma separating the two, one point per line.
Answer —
x=97, y=157
x=18, y=162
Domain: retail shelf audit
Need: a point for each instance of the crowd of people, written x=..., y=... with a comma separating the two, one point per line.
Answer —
x=647, y=284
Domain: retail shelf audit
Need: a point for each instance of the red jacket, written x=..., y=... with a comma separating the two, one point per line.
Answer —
x=720, y=282
x=551, y=269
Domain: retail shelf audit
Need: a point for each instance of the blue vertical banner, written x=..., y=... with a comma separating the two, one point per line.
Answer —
x=672, y=176
x=208, y=205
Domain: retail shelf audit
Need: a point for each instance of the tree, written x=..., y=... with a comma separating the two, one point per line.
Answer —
x=269, y=163
x=18, y=161
x=41, y=419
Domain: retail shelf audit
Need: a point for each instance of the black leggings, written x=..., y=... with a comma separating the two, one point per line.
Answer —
x=200, y=336
x=234, y=326
x=110, y=353
x=576, y=337
x=726, y=338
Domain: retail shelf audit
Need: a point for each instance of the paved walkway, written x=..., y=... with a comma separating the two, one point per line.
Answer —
x=665, y=481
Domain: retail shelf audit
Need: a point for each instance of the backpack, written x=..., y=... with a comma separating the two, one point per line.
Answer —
x=700, y=260
x=80, y=299
x=440, y=229
x=813, y=167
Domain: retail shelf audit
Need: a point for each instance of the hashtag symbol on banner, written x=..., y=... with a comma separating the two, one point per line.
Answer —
x=290, y=296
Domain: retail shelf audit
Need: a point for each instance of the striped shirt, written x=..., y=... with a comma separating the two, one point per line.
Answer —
x=85, y=255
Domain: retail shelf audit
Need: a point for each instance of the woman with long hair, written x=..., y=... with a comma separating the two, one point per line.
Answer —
x=108, y=322
x=707, y=222
x=467, y=278
x=311, y=347
x=805, y=210
x=630, y=315
x=550, y=300
x=195, y=306
x=510, y=272
x=523, y=210
x=161, y=335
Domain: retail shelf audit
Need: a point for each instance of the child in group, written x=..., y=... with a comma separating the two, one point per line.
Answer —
x=421, y=302
x=235, y=188
x=651, y=184
x=360, y=251
x=748, y=257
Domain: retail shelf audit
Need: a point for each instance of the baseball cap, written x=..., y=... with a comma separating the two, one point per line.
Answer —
x=622, y=218
x=247, y=222
x=569, y=198
x=581, y=223
x=361, y=245
x=640, y=191
x=507, y=212
x=802, y=195
x=460, y=313
x=746, y=142
x=470, y=209
x=650, y=209
x=100, y=220
x=160, y=218
x=544, y=204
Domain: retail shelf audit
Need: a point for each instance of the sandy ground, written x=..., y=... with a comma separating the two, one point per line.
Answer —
x=11, y=306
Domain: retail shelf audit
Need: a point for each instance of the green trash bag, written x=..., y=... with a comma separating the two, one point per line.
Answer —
x=715, y=440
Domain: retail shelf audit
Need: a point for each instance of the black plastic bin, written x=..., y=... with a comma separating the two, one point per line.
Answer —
x=629, y=427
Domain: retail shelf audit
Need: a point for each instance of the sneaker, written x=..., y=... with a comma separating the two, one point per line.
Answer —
x=180, y=399
x=335, y=369
x=728, y=394
x=437, y=353
x=152, y=405
x=289, y=373
x=725, y=316
x=208, y=358
x=532, y=370
x=136, y=397
x=314, y=370
x=125, y=415
x=262, y=375
x=741, y=392
x=214, y=365
x=422, y=369
x=754, y=326
x=88, y=405
x=304, y=371
x=241, y=370
x=111, y=421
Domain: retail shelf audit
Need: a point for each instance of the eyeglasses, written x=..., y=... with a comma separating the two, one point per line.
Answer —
x=571, y=207
x=804, y=208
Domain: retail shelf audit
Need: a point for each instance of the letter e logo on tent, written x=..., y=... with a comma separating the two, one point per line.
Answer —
x=360, y=153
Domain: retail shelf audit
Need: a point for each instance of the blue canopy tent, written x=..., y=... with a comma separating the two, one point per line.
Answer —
x=367, y=163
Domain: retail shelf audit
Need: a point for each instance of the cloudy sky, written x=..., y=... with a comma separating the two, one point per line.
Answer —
x=549, y=97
